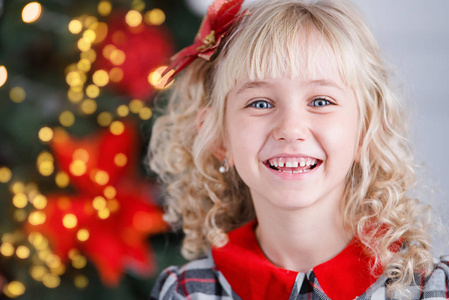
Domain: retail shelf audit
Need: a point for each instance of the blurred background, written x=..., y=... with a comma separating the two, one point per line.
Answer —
x=80, y=214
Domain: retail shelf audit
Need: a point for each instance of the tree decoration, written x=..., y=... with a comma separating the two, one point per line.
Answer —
x=110, y=217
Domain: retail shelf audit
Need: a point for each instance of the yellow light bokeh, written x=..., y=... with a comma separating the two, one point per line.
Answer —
x=62, y=179
x=20, y=200
x=104, y=213
x=113, y=205
x=17, y=94
x=123, y=110
x=90, y=35
x=67, y=118
x=104, y=119
x=135, y=105
x=84, y=44
x=145, y=113
x=117, y=57
x=107, y=50
x=51, y=281
x=23, y=252
x=90, y=55
x=75, y=95
x=99, y=203
x=14, y=289
x=20, y=215
x=117, y=128
x=69, y=221
x=104, y=8
x=31, y=12
x=81, y=281
x=101, y=31
x=37, y=218
x=116, y=74
x=5, y=174
x=83, y=235
x=84, y=65
x=133, y=18
x=88, y=106
x=79, y=261
x=110, y=192
x=78, y=168
x=46, y=168
x=40, y=202
x=100, y=78
x=155, y=17
x=75, y=26
x=89, y=21
x=120, y=160
x=38, y=272
x=3, y=75
x=45, y=134
x=17, y=187
x=159, y=82
x=75, y=78
x=92, y=91
x=101, y=177
x=7, y=249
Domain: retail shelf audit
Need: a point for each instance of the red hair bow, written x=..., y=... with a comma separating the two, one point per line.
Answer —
x=220, y=16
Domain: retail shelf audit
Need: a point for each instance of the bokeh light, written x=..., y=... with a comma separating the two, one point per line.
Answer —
x=45, y=134
x=17, y=94
x=3, y=75
x=5, y=174
x=155, y=17
x=157, y=81
x=104, y=8
x=31, y=12
x=75, y=26
x=133, y=18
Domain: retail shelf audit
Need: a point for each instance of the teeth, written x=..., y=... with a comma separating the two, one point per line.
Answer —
x=303, y=163
x=293, y=163
x=281, y=164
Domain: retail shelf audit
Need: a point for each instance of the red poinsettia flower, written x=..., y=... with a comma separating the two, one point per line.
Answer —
x=111, y=215
x=221, y=15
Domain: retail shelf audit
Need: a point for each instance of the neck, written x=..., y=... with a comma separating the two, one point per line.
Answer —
x=300, y=240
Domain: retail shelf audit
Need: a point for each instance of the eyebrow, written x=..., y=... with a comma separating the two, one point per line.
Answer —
x=317, y=82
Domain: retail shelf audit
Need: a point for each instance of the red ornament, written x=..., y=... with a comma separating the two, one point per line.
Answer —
x=111, y=216
x=221, y=15
x=138, y=51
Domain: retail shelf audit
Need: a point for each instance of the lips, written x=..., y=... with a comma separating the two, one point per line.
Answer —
x=293, y=165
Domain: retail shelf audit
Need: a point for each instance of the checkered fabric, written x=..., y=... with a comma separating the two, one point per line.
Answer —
x=200, y=280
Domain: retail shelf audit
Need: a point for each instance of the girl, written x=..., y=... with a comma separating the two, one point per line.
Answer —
x=286, y=162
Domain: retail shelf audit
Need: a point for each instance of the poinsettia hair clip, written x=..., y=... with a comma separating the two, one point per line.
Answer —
x=221, y=15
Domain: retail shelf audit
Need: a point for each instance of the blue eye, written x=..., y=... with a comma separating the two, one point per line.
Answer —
x=260, y=104
x=319, y=102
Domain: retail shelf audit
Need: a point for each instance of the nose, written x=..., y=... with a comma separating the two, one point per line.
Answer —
x=291, y=125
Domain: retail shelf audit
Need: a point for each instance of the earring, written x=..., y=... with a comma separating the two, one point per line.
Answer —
x=224, y=166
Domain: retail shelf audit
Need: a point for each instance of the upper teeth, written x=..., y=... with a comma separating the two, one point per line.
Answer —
x=292, y=162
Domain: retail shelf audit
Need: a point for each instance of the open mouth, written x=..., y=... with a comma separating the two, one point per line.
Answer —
x=293, y=165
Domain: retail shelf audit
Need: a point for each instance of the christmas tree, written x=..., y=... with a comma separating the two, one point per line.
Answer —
x=81, y=214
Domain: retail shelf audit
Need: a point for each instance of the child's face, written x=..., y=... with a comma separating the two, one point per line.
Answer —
x=293, y=141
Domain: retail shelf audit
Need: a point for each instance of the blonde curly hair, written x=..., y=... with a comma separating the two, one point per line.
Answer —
x=264, y=44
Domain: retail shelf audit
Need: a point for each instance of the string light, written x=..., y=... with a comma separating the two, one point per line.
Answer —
x=116, y=74
x=84, y=44
x=89, y=21
x=7, y=249
x=100, y=78
x=39, y=202
x=92, y=91
x=78, y=168
x=78, y=261
x=38, y=272
x=90, y=35
x=69, y=221
x=110, y=192
x=90, y=55
x=81, y=281
x=88, y=106
x=17, y=187
x=62, y=179
x=22, y=252
x=104, y=119
x=120, y=160
x=117, y=128
x=84, y=65
x=104, y=8
x=31, y=12
x=83, y=235
x=74, y=95
x=45, y=134
x=117, y=57
x=3, y=75
x=99, y=203
x=5, y=174
x=20, y=215
x=100, y=177
x=145, y=113
x=154, y=17
x=67, y=118
x=122, y=110
x=135, y=105
x=20, y=200
x=51, y=281
x=101, y=31
x=37, y=218
x=104, y=213
x=17, y=94
x=75, y=26
x=45, y=163
x=133, y=18
x=14, y=289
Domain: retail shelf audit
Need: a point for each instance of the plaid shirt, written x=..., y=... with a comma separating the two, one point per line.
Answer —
x=201, y=280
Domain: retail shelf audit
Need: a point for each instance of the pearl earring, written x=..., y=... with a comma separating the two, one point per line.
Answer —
x=224, y=166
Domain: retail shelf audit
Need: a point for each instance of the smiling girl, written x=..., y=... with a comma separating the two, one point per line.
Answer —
x=286, y=162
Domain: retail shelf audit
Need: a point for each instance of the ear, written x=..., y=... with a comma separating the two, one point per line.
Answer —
x=219, y=151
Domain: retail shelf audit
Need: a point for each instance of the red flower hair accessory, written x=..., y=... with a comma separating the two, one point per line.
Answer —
x=221, y=15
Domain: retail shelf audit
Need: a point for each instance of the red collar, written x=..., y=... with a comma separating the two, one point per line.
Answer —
x=252, y=276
